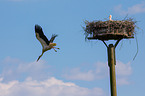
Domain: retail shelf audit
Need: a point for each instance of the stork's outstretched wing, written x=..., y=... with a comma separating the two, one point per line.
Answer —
x=53, y=37
x=40, y=36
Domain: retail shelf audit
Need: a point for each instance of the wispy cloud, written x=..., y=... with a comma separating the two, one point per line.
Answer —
x=135, y=9
x=101, y=71
x=123, y=81
x=123, y=69
x=18, y=78
x=13, y=69
x=48, y=87
x=76, y=74
x=123, y=73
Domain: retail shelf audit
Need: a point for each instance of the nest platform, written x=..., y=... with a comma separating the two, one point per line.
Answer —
x=110, y=30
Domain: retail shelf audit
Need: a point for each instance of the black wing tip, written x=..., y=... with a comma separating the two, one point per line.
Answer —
x=54, y=35
x=37, y=25
x=38, y=28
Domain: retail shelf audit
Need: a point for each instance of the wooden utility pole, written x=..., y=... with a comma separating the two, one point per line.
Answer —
x=112, y=63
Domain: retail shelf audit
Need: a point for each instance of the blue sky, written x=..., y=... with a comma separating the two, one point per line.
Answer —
x=80, y=67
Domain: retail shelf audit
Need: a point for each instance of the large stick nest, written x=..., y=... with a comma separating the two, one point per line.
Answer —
x=111, y=29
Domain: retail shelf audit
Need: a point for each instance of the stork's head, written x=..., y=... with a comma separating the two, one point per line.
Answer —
x=52, y=44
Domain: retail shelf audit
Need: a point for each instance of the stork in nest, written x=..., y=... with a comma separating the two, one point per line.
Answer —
x=46, y=44
x=110, y=17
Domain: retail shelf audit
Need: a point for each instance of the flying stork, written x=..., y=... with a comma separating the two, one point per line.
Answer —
x=46, y=44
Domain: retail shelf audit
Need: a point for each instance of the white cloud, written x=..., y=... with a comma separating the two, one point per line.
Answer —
x=123, y=81
x=13, y=69
x=123, y=69
x=101, y=71
x=76, y=74
x=138, y=8
x=48, y=87
x=12, y=84
x=123, y=73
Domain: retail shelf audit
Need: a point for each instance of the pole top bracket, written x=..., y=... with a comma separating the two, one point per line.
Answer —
x=112, y=44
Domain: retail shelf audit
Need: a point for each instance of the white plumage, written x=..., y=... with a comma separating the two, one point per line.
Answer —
x=46, y=44
x=110, y=17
